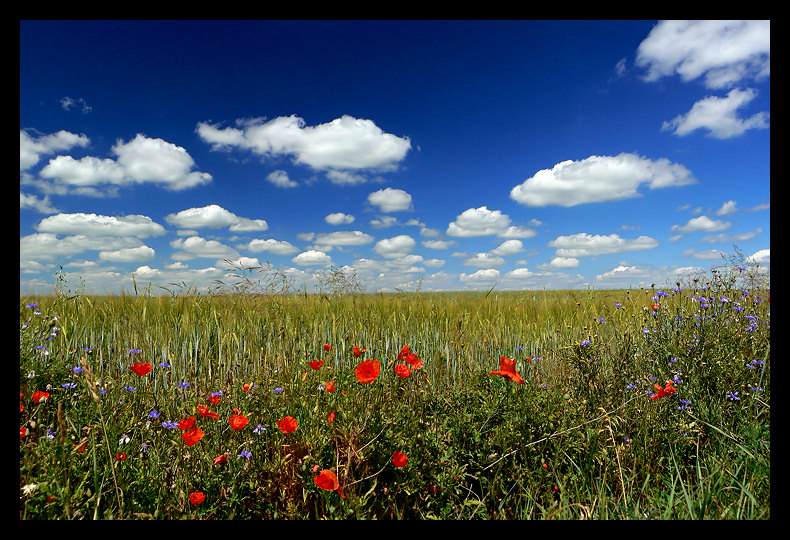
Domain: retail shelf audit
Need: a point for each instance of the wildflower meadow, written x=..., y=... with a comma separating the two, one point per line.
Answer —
x=648, y=403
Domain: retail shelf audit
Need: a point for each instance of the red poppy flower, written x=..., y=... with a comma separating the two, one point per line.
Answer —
x=399, y=459
x=330, y=386
x=655, y=307
x=404, y=352
x=238, y=421
x=330, y=417
x=367, y=371
x=214, y=399
x=327, y=480
x=287, y=424
x=413, y=360
x=192, y=436
x=668, y=390
x=22, y=432
x=204, y=412
x=220, y=459
x=246, y=387
x=357, y=351
x=197, y=497
x=316, y=364
x=402, y=370
x=327, y=347
x=80, y=446
x=141, y=368
x=120, y=457
x=39, y=396
x=186, y=423
x=507, y=369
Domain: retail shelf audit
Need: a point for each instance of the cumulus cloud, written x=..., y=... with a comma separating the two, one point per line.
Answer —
x=508, y=247
x=346, y=143
x=590, y=245
x=719, y=116
x=484, y=260
x=312, y=257
x=343, y=238
x=141, y=160
x=478, y=222
x=484, y=274
x=564, y=262
x=701, y=223
x=397, y=246
x=338, y=218
x=390, y=200
x=197, y=247
x=95, y=225
x=598, y=179
x=438, y=244
x=32, y=202
x=31, y=149
x=215, y=217
x=271, y=245
x=762, y=257
x=727, y=207
x=280, y=179
x=140, y=253
x=723, y=53
x=47, y=246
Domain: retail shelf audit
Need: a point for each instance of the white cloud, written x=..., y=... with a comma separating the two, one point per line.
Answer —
x=701, y=223
x=31, y=150
x=32, y=202
x=484, y=260
x=346, y=143
x=140, y=253
x=598, y=179
x=719, y=116
x=271, y=245
x=141, y=160
x=727, y=208
x=508, y=247
x=587, y=245
x=762, y=257
x=215, y=217
x=195, y=246
x=338, y=218
x=518, y=231
x=96, y=225
x=397, y=246
x=390, y=200
x=345, y=178
x=67, y=103
x=438, y=244
x=484, y=274
x=343, y=238
x=722, y=238
x=722, y=52
x=312, y=257
x=478, y=222
x=280, y=179
x=47, y=246
x=564, y=262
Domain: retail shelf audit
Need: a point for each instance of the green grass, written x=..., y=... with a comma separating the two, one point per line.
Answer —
x=580, y=439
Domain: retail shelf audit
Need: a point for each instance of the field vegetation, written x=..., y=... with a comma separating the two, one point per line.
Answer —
x=254, y=403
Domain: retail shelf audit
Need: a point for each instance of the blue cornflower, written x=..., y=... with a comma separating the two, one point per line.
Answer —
x=164, y=364
x=182, y=384
x=245, y=454
x=733, y=396
x=626, y=439
x=69, y=385
x=153, y=414
x=135, y=351
x=130, y=388
x=600, y=320
x=630, y=386
x=88, y=349
x=278, y=390
x=673, y=360
x=259, y=429
x=755, y=389
x=77, y=369
x=585, y=342
x=617, y=304
x=168, y=424
x=31, y=306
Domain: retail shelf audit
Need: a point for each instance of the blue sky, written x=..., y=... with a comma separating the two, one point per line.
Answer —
x=457, y=155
